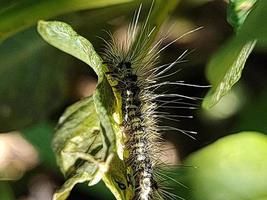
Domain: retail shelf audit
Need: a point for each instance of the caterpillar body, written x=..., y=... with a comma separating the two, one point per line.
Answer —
x=132, y=74
x=138, y=131
x=139, y=125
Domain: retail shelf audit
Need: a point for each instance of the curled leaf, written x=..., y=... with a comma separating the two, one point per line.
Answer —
x=83, y=152
x=86, y=137
x=78, y=131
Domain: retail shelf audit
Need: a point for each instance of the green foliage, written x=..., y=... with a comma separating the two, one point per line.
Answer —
x=6, y=192
x=85, y=131
x=249, y=117
x=87, y=143
x=66, y=39
x=25, y=93
x=225, y=67
x=79, y=135
x=17, y=16
x=237, y=11
x=231, y=168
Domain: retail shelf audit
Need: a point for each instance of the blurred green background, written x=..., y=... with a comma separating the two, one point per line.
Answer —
x=38, y=82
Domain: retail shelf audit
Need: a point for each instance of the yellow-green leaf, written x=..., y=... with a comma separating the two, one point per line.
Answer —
x=78, y=129
x=84, y=152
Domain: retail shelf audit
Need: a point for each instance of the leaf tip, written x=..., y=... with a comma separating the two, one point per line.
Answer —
x=208, y=101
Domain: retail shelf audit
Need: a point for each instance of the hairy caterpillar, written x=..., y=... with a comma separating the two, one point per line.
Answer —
x=123, y=113
x=133, y=77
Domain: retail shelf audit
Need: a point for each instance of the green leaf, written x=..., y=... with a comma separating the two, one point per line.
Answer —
x=83, y=151
x=232, y=168
x=253, y=115
x=237, y=11
x=78, y=131
x=254, y=25
x=18, y=15
x=32, y=84
x=116, y=177
x=225, y=69
x=63, y=37
x=90, y=121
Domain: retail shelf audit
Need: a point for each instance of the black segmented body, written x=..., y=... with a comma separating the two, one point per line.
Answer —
x=135, y=130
